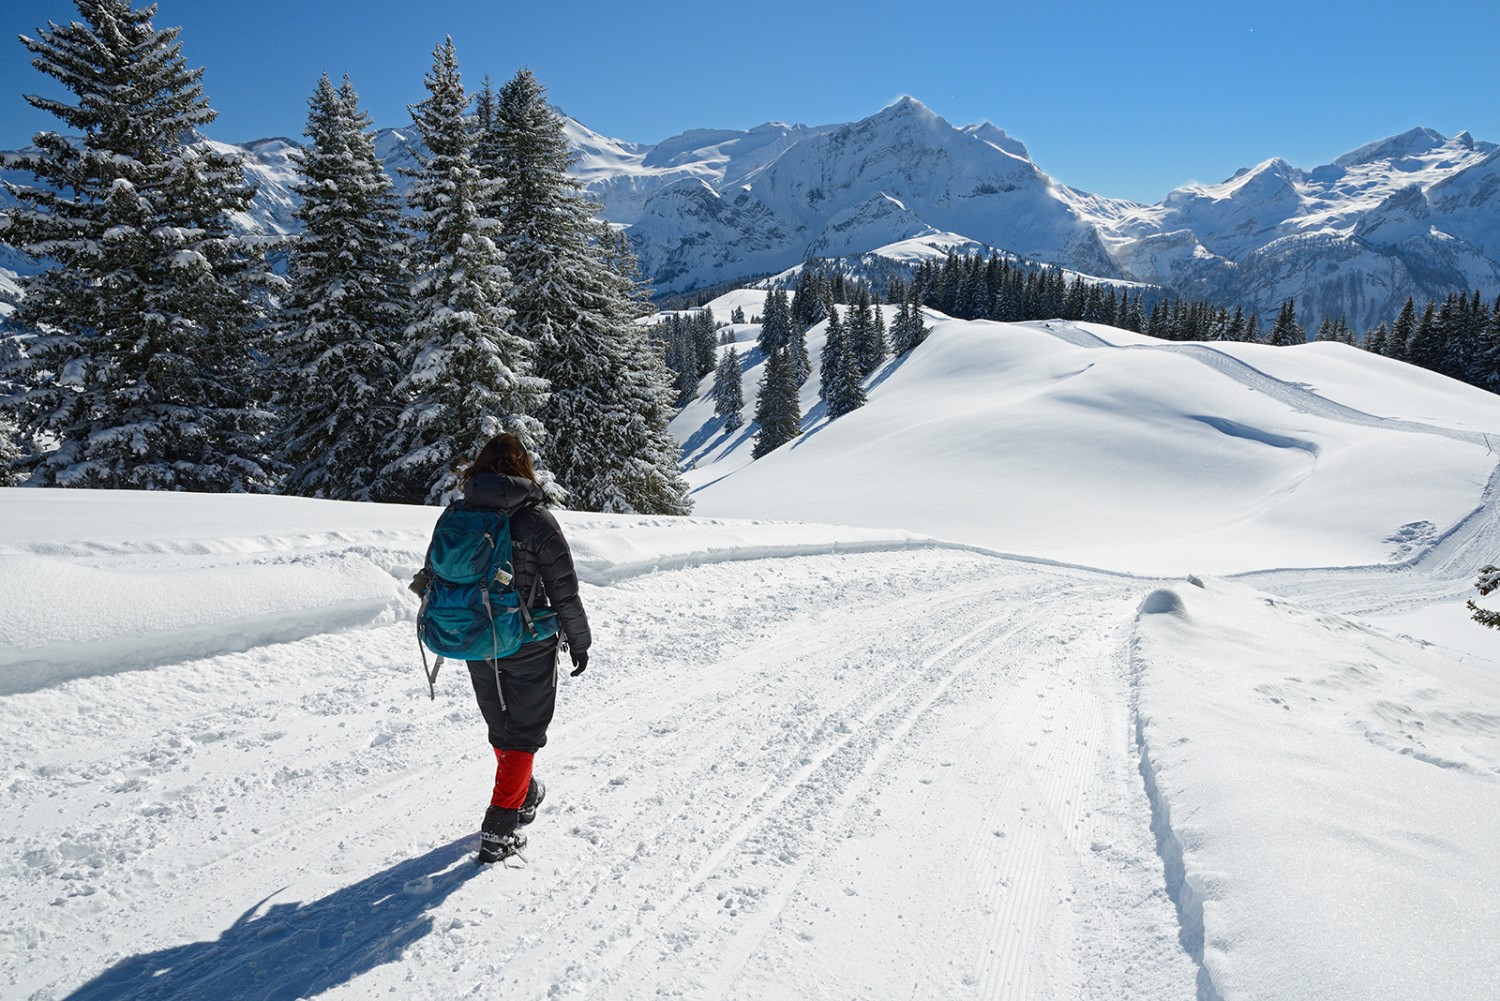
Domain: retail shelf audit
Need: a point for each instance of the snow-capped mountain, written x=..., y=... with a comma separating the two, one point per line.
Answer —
x=1413, y=214
x=903, y=172
x=1408, y=215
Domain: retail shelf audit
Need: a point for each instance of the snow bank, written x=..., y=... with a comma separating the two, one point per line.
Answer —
x=1325, y=799
x=93, y=582
x=609, y=548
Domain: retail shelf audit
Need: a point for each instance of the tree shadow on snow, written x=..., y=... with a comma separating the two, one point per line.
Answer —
x=298, y=950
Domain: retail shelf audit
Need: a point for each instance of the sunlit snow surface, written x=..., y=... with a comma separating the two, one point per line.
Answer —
x=808, y=761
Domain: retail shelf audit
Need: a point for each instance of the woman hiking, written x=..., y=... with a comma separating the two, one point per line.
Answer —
x=517, y=693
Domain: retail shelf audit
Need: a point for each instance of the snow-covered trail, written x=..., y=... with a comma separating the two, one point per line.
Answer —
x=902, y=774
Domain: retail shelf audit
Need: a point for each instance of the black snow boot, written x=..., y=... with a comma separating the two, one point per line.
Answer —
x=498, y=837
x=535, y=793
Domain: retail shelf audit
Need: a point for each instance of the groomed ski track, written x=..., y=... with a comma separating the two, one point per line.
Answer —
x=895, y=774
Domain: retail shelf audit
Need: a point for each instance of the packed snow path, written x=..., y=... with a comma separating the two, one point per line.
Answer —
x=903, y=774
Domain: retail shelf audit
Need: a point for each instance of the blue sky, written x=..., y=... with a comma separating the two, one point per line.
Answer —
x=1123, y=99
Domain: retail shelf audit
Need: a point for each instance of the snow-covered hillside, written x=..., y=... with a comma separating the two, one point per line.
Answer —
x=809, y=760
x=1031, y=438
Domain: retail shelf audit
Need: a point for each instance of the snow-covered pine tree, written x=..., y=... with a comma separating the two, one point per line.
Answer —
x=901, y=328
x=1287, y=331
x=801, y=361
x=141, y=366
x=706, y=341
x=840, y=387
x=729, y=390
x=651, y=482
x=866, y=333
x=1489, y=580
x=1425, y=348
x=908, y=331
x=807, y=304
x=338, y=339
x=832, y=362
x=775, y=323
x=1235, y=330
x=1253, y=333
x=1376, y=340
x=466, y=375
x=778, y=410
x=10, y=449
x=607, y=447
x=1401, y=331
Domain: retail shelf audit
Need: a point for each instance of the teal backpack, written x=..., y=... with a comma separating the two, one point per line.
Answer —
x=470, y=607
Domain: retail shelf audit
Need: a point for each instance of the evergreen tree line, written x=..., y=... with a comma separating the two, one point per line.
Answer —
x=1459, y=337
x=856, y=342
x=160, y=351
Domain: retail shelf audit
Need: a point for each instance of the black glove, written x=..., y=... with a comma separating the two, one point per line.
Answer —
x=418, y=583
x=580, y=661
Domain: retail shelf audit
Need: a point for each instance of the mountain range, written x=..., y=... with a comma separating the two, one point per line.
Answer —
x=1409, y=215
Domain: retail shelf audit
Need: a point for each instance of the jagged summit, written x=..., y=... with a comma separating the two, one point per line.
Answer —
x=709, y=205
x=907, y=105
x=1412, y=142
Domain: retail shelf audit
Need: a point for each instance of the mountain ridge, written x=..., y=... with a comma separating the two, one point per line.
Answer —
x=1405, y=215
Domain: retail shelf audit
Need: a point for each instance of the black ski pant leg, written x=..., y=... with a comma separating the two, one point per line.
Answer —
x=519, y=713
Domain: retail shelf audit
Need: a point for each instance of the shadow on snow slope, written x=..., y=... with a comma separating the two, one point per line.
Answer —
x=297, y=950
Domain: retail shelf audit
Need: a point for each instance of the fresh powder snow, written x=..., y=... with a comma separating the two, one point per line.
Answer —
x=1073, y=665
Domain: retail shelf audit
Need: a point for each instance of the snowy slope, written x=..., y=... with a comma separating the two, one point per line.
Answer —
x=1032, y=437
x=807, y=760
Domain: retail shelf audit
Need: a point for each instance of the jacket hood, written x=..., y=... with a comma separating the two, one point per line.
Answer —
x=500, y=492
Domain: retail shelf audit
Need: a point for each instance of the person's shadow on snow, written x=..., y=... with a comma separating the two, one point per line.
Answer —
x=302, y=949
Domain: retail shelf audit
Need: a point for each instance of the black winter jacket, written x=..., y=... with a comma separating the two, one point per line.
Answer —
x=537, y=546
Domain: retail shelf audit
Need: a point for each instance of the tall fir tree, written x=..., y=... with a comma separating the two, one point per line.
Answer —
x=729, y=390
x=840, y=389
x=577, y=312
x=1426, y=344
x=10, y=449
x=467, y=376
x=1287, y=331
x=1487, y=370
x=338, y=340
x=1399, y=343
x=866, y=336
x=775, y=322
x=778, y=409
x=141, y=368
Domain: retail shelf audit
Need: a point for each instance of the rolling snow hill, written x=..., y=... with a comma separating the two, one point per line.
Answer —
x=1030, y=438
x=809, y=760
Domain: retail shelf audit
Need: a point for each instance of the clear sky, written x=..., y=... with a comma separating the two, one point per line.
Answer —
x=1118, y=98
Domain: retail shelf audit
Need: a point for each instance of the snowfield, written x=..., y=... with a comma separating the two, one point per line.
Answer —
x=937, y=702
